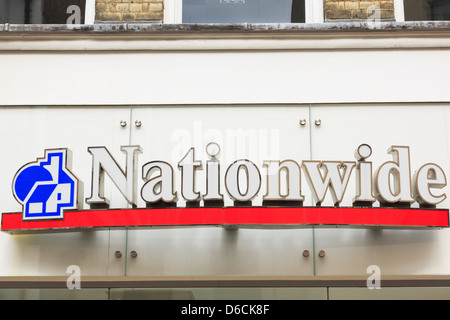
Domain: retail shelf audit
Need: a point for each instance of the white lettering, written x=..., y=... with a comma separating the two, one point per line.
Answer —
x=233, y=183
x=160, y=187
x=333, y=179
x=391, y=183
x=393, y=178
x=292, y=181
x=364, y=191
x=188, y=165
x=198, y=310
x=429, y=176
x=126, y=182
x=213, y=174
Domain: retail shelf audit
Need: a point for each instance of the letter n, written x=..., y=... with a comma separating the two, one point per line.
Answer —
x=125, y=181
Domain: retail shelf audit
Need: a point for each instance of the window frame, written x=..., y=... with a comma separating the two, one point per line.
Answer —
x=89, y=12
x=399, y=11
x=173, y=11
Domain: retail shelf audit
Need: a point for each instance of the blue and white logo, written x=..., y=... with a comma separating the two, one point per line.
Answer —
x=46, y=188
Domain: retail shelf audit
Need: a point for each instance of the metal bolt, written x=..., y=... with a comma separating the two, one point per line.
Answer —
x=321, y=254
x=118, y=254
x=138, y=123
x=318, y=122
x=133, y=254
x=302, y=122
x=305, y=253
x=123, y=123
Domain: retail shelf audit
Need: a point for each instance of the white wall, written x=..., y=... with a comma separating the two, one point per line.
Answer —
x=181, y=72
x=383, y=96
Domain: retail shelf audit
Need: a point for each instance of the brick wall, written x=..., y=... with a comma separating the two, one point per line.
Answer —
x=357, y=9
x=129, y=10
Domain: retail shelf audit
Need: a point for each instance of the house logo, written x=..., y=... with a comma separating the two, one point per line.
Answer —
x=46, y=187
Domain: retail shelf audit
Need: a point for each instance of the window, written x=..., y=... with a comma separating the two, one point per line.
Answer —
x=243, y=11
x=41, y=11
x=423, y=10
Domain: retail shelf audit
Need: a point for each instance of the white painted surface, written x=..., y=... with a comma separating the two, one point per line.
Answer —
x=89, y=16
x=224, y=77
x=189, y=98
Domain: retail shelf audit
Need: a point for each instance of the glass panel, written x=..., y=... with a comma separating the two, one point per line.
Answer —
x=35, y=130
x=243, y=132
x=410, y=293
x=422, y=127
x=42, y=11
x=220, y=294
x=332, y=293
x=419, y=10
x=240, y=11
x=53, y=294
x=216, y=251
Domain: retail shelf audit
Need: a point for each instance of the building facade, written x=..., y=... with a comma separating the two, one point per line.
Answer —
x=204, y=108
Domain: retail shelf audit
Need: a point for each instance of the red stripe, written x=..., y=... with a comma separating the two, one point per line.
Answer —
x=302, y=216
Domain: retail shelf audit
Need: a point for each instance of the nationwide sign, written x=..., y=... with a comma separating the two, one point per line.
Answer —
x=50, y=193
